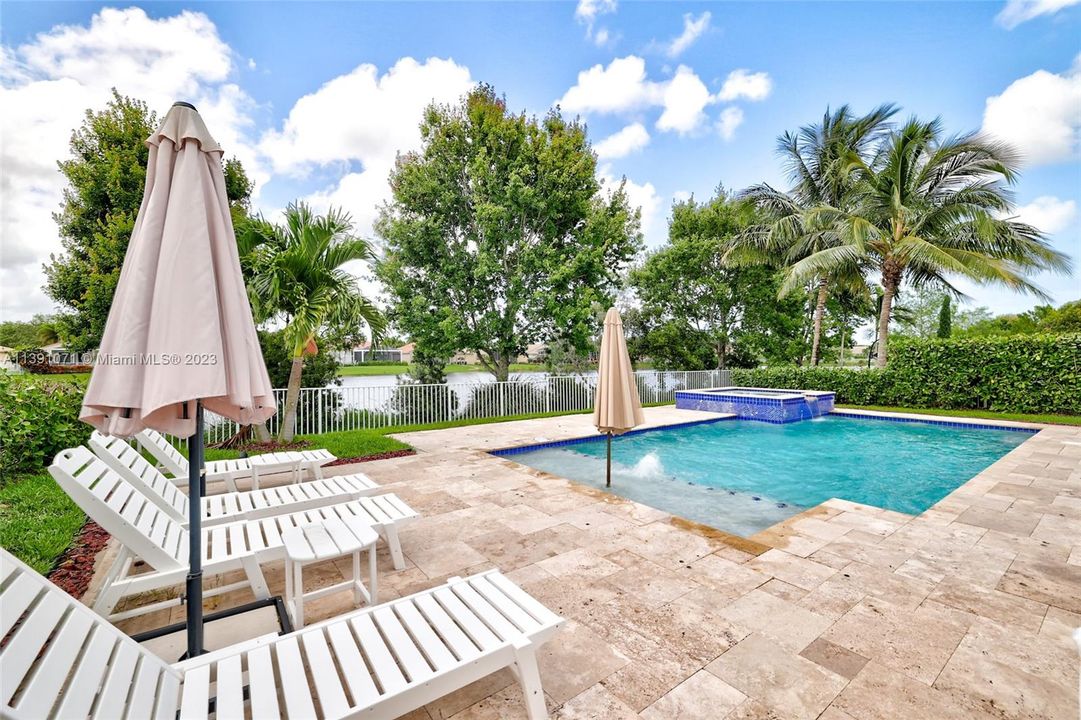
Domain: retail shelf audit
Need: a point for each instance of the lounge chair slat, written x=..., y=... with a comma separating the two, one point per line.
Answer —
x=361, y=685
x=433, y=648
x=42, y=691
x=403, y=647
x=144, y=688
x=262, y=687
x=448, y=630
x=328, y=686
x=510, y=609
x=195, y=698
x=20, y=593
x=168, y=697
x=114, y=692
x=230, y=688
x=467, y=619
x=27, y=642
x=294, y=681
x=491, y=617
x=526, y=601
x=87, y=679
x=386, y=669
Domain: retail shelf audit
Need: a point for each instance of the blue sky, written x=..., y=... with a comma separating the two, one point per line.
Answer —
x=315, y=98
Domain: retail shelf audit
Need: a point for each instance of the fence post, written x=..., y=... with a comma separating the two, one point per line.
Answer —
x=319, y=421
x=502, y=399
x=548, y=394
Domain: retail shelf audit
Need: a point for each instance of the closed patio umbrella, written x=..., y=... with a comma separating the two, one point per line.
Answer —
x=180, y=334
x=617, y=408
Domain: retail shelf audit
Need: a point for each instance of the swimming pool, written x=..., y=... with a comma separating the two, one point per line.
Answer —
x=742, y=476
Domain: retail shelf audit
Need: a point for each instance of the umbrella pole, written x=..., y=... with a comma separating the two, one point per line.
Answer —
x=194, y=583
x=608, y=472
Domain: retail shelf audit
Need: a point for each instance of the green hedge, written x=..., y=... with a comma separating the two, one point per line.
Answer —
x=1019, y=374
x=39, y=417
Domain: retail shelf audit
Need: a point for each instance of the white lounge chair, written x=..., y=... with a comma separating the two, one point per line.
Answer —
x=61, y=660
x=229, y=471
x=230, y=506
x=146, y=531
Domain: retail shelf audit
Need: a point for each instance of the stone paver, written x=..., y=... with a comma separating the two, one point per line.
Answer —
x=844, y=612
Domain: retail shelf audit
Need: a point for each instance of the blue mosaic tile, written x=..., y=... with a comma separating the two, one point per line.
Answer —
x=503, y=452
x=945, y=423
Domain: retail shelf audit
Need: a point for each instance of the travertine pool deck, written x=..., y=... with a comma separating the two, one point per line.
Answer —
x=845, y=611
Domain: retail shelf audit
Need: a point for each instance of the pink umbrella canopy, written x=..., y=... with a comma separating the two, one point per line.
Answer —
x=180, y=328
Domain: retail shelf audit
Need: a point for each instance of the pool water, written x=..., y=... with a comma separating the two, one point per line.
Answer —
x=742, y=476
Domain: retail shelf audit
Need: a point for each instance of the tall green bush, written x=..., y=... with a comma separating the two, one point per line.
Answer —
x=1021, y=374
x=39, y=417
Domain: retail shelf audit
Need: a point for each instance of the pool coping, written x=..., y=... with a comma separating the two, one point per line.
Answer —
x=768, y=536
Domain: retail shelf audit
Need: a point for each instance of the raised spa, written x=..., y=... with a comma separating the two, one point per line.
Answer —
x=765, y=404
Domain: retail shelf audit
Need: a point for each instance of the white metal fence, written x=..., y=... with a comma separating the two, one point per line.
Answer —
x=334, y=409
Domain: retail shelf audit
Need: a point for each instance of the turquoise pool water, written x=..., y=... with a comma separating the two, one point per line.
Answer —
x=742, y=476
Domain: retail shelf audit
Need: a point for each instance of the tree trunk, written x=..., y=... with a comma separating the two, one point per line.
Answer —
x=292, y=395
x=502, y=367
x=722, y=359
x=820, y=311
x=261, y=432
x=891, y=280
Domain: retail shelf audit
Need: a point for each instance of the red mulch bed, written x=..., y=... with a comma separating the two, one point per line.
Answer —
x=75, y=568
x=369, y=458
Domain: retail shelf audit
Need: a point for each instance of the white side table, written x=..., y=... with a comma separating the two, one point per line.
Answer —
x=274, y=462
x=307, y=544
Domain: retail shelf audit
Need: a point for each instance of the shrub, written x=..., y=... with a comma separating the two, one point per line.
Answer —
x=38, y=418
x=1020, y=374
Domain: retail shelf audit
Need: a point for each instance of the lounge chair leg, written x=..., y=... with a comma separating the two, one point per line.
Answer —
x=112, y=588
x=391, y=534
x=529, y=678
x=255, y=578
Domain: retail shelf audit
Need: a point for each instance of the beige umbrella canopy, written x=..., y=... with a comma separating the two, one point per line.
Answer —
x=180, y=328
x=180, y=334
x=617, y=408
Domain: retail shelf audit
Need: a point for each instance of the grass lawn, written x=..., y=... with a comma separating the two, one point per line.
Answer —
x=355, y=370
x=349, y=443
x=37, y=520
x=982, y=414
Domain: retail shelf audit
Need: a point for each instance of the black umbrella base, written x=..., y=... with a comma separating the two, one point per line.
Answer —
x=272, y=607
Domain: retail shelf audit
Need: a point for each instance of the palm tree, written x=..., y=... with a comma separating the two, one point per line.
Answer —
x=928, y=208
x=297, y=276
x=822, y=162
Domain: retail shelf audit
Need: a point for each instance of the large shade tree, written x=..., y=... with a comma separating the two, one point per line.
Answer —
x=106, y=173
x=932, y=208
x=822, y=161
x=499, y=234
x=297, y=275
x=697, y=308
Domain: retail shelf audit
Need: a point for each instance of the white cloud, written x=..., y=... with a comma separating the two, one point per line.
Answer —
x=1040, y=115
x=1048, y=214
x=727, y=122
x=363, y=116
x=367, y=118
x=685, y=98
x=48, y=84
x=642, y=196
x=692, y=30
x=1018, y=11
x=746, y=85
x=587, y=12
x=619, y=87
x=682, y=196
x=623, y=86
x=630, y=139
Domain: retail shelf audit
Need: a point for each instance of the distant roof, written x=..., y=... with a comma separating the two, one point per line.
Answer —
x=408, y=347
